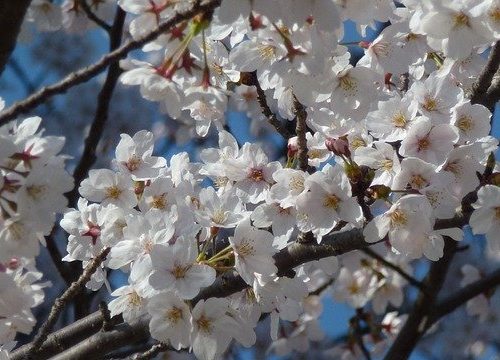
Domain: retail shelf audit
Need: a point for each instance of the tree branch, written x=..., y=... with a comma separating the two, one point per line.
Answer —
x=483, y=83
x=251, y=80
x=418, y=284
x=11, y=18
x=63, y=300
x=92, y=16
x=450, y=303
x=151, y=353
x=415, y=325
x=300, y=130
x=89, y=72
x=225, y=285
x=68, y=272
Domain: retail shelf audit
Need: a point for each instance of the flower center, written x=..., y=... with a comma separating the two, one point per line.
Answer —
x=430, y=103
x=348, y=84
x=423, y=144
x=204, y=324
x=133, y=163
x=418, y=181
x=134, y=299
x=219, y=216
x=256, y=175
x=399, y=120
x=464, y=123
x=297, y=183
x=331, y=201
x=267, y=51
x=179, y=271
x=461, y=19
x=36, y=192
x=245, y=249
x=398, y=218
x=386, y=164
x=113, y=192
x=174, y=315
x=159, y=202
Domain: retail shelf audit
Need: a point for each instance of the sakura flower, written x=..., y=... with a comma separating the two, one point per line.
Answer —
x=392, y=119
x=223, y=210
x=436, y=96
x=428, y=142
x=175, y=268
x=252, y=173
x=211, y=328
x=132, y=299
x=478, y=305
x=108, y=187
x=139, y=237
x=486, y=217
x=383, y=159
x=405, y=223
x=326, y=201
x=253, y=250
x=289, y=184
x=133, y=156
x=450, y=26
x=281, y=220
x=42, y=194
x=159, y=195
x=84, y=228
x=472, y=121
x=170, y=320
x=354, y=288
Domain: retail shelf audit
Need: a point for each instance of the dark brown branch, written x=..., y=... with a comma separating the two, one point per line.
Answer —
x=300, y=130
x=61, y=302
x=96, y=346
x=88, y=157
x=406, y=276
x=415, y=325
x=92, y=16
x=151, y=353
x=68, y=272
x=225, y=285
x=251, y=80
x=453, y=301
x=85, y=74
x=485, y=78
x=11, y=18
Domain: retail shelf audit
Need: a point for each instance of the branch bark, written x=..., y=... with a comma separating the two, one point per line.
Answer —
x=11, y=18
x=225, y=285
x=485, y=78
x=85, y=74
x=415, y=325
x=63, y=300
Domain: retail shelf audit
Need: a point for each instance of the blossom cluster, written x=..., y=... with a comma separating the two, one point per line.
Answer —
x=32, y=186
x=394, y=145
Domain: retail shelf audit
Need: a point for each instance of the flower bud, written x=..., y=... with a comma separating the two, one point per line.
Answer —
x=339, y=147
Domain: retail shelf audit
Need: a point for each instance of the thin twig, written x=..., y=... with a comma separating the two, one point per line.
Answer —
x=415, y=325
x=88, y=157
x=61, y=302
x=87, y=73
x=453, y=301
x=405, y=275
x=92, y=16
x=485, y=78
x=70, y=272
x=300, y=130
x=107, y=324
x=151, y=353
x=252, y=80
